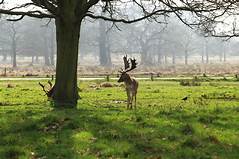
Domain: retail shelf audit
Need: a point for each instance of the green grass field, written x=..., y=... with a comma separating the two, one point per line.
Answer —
x=206, y=126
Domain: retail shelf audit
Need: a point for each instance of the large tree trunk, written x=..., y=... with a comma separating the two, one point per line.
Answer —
x=65, y=89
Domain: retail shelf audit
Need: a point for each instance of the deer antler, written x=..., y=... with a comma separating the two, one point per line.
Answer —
x=133, y=64
x=127, y=65
x=126, y=62
x=43, y=87
x=49, y=92
x=49, y=82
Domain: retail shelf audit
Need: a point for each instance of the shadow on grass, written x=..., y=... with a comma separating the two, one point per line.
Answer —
x=94, y=133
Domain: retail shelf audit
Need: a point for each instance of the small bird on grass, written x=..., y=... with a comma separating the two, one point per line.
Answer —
x=185, y=98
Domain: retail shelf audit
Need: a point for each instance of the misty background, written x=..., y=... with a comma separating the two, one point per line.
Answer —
x=32, y=42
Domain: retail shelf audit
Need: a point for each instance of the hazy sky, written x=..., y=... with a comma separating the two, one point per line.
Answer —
x=10, y=3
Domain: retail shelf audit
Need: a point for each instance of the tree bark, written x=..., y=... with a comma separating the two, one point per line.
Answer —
x=65, y=89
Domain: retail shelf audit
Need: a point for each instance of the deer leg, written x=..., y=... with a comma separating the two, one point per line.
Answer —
x=131, y=101
x=135, y=101
x=128, y=99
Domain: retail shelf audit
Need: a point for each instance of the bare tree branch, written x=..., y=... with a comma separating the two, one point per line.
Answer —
x=36, y=14
x=125, y=20
x=206, y=13
x=46, y=5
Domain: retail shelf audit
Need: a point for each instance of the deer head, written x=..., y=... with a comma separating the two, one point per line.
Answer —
x=48, y=92
x=129, y=65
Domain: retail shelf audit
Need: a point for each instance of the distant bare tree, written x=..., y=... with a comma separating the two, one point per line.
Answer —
x=144, y=36
x=104, y=44
x=9, y=40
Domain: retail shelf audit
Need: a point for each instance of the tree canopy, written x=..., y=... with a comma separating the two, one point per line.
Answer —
x=204, y=12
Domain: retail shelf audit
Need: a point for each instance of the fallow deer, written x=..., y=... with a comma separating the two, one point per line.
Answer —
x=131, y=84
x=49, y=92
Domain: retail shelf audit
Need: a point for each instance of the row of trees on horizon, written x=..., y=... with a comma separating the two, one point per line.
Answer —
x=155, y=43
